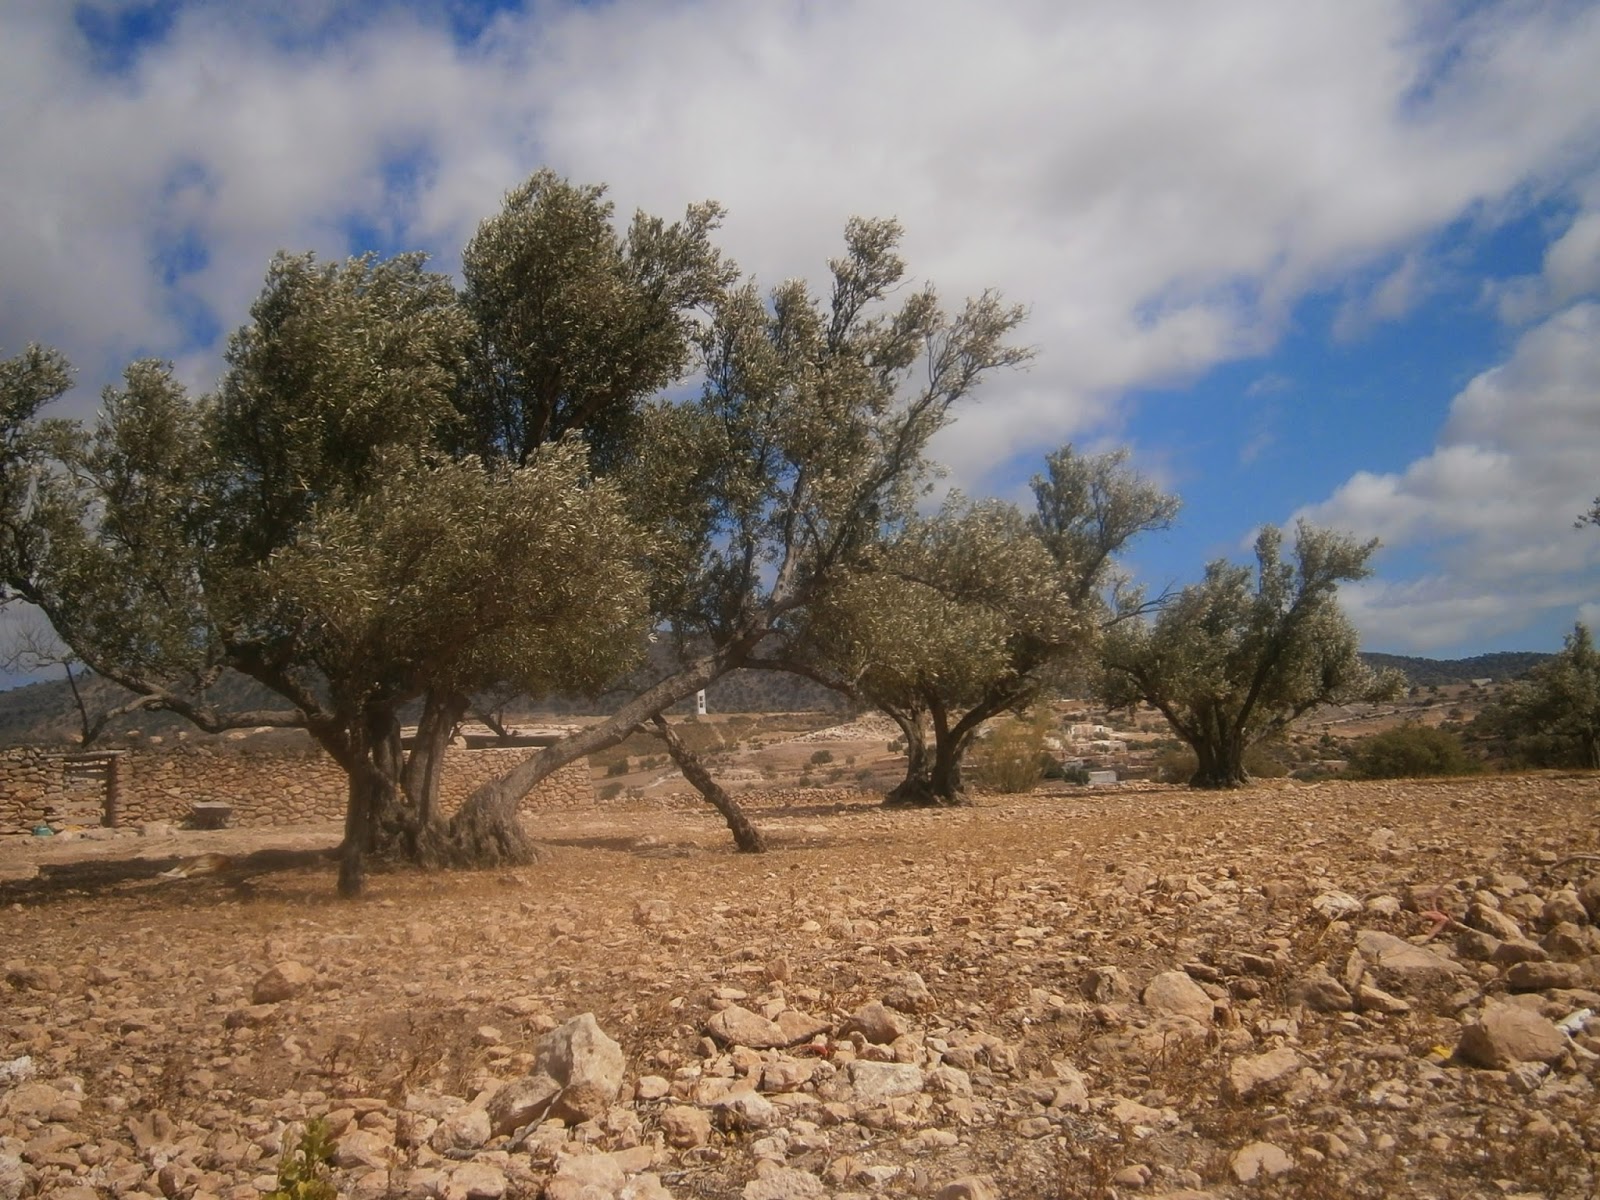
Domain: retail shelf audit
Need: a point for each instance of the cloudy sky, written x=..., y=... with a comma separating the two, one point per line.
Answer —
x=1337, y=259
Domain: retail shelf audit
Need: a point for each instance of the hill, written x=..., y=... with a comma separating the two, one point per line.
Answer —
x=45, y=714
x=1502, y=666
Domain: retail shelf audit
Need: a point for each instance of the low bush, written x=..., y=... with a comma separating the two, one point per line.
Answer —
x=1410, y=751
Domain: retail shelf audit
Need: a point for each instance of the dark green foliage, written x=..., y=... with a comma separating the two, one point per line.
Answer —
x=1410, y=752
x=1431, y=672
x=1551, y=718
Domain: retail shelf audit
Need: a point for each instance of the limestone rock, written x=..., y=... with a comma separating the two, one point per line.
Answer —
x=1259, y=1159
x=1565, y=905
x=745, y=1109
x=283, y=982
x=362, y=1148
x=1537, y=976
x=1506, y=1035
x=1322, y=993
x=1371, y=999
x=1398, y=966
x=784, y=1183
x=521, y=1102
x=586, y=1063
x=1266, y=1074
x=798, y=1026
x=738, y=1026
x=876, y=1022
x=462, y=1131
x=909, y=994
x=476, y=1181
x=1174, y=993
x=874, y=1082
x=1104, y=985
x=1493, y=922
x=685, y=1127
x=13, y=1176
x=969, y=1188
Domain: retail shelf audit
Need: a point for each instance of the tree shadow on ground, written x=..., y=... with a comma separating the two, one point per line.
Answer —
x=94, y=877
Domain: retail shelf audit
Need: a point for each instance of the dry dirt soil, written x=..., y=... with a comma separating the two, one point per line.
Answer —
x=1131, y=992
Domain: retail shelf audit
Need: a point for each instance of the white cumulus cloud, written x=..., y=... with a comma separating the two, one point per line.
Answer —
x=1495, y=500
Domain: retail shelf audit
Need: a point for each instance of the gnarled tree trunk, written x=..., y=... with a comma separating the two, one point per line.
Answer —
x=1220, y=763
x=486, y=830
x=745, y=835
x=915, y=789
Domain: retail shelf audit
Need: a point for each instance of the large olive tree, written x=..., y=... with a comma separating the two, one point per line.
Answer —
x=805, y=443
x=1241, y=655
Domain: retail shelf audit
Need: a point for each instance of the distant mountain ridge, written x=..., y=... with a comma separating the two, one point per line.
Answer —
x=1501, y=666
x=44, y=714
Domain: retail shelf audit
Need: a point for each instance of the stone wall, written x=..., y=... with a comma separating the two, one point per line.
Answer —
x=270, y=788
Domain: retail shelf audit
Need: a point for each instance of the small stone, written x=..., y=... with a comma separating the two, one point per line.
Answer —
x=361, y=1148
x=876, y=1022
x=1562, y=906
x=1518, y=950
x=1507, y=1034
x=586, y=1063
x=798, y=1026
x=1371, y=999
x=970, y=1187
x=521, y=1102
x=784, y=1183
x=874, y=1082
x=1173, y=992
x=1335, y=906
x=738, y=1026
x=465, y=1130
x=685, y=1127
x=652, y=1087
x=1538, y=976
x=1104, y=985
x=1259, y=1159
x=283, y=982
x=1400, y=967
x=745, y=1109
x=1321, y=993
x=1136, y=1176
x=1263, y=1074
x=909, y=994
x=1493, y=922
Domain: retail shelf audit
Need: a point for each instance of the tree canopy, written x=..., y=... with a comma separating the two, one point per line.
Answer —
x=1551, y=718
x=1241, y=655
x=975, y=611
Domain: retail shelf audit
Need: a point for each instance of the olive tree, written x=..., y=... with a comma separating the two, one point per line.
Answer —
x=1552, y=716
x=1241, y=655
x=302, y=528
x=806, y=441
x=975, y=612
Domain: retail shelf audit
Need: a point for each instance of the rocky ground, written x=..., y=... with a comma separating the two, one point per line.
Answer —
x=1335, y=990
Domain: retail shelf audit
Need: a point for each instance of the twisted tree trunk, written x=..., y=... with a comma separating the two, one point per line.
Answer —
x=745, y=835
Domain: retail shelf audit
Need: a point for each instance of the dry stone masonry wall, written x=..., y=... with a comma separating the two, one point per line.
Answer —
x=42, y=787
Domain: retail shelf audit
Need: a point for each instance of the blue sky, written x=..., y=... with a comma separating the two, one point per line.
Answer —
x=1336, y=259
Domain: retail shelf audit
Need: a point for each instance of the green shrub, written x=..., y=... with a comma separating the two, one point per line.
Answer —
x=822, y=756
x=303, y=1171
x=1408, y=752
x=620, y=767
